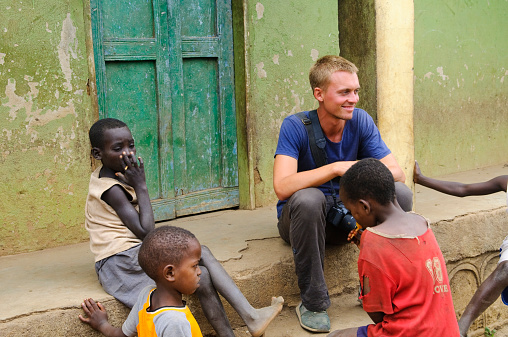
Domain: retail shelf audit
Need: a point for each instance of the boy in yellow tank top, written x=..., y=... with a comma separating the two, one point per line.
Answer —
x=170, y=256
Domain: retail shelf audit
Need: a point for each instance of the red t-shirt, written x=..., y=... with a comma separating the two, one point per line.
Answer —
x=409, y=283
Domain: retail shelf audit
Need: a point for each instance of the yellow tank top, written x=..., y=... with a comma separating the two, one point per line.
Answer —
x=146, y=326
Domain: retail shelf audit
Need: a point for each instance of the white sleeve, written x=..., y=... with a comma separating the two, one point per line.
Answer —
x=172, y=324
x=129, y=326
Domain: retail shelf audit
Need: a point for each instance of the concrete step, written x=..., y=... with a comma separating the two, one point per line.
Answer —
x=41, y=291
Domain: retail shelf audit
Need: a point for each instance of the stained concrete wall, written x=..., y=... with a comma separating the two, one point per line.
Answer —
x=45, y=113
x=461, y=84
x=357, y=41
x=281, y=44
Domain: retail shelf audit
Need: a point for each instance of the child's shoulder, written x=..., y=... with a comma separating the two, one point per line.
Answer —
x=98, y=184
x=409, y=225
x=143, y=296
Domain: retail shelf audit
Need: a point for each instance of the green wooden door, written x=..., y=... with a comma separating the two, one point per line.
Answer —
x=166, y=69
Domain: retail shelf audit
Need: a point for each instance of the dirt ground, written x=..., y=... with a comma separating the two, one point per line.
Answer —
x=344, y=312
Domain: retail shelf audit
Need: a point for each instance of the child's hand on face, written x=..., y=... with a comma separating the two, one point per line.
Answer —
x=96, y=313
x=133, y=173
x=355, y=236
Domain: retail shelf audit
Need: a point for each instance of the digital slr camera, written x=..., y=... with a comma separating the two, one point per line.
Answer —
x=339, y=216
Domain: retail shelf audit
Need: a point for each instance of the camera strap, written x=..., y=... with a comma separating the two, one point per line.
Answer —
x=317, y=140
x=317, y=143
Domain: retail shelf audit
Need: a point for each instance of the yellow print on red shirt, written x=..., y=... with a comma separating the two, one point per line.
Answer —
x=436, y=272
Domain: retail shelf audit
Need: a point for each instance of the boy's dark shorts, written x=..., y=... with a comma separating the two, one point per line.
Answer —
x=121, y=276
x=362, y=331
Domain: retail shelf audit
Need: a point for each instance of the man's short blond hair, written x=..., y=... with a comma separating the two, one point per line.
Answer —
x=320, y=72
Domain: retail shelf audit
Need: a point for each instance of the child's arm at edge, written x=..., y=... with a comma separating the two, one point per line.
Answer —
x=493, y=185
x=139, y=223
x=98, y=319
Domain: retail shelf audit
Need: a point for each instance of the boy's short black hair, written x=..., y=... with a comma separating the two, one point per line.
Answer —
x=96, y=132
x=369, y=178
x=162, y=246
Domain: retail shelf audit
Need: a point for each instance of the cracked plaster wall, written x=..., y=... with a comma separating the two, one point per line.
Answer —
x=460, y=84
x=45, y=113
x=282, y=42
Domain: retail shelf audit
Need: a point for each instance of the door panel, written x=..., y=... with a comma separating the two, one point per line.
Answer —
x=202, y=137
x=198, y=18
x=166, y=69
x=128, y=19
x=137, y=106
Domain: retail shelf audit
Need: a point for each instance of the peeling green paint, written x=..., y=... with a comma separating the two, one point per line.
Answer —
x=461, y=89
x=44, y=117
x=283, y=41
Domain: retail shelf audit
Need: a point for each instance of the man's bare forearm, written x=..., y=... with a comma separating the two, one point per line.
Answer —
x=287, y=186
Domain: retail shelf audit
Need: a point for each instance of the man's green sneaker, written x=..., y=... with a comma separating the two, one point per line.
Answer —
x=313, y=321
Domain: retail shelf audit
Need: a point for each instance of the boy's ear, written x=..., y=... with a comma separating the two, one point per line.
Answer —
x=168, y=272
x=96, y=153
x=365, y=205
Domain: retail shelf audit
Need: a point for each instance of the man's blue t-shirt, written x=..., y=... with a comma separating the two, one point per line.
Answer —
x=360, y=139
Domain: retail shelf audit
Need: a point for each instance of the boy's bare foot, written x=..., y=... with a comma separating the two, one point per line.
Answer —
x=265, y=316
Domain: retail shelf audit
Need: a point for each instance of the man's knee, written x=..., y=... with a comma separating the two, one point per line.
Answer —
x=308, y=199
x=307, y=209
x=404, y=196
x=306, y=215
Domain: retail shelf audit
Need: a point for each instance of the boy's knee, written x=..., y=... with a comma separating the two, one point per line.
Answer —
x=205, y=281
x=205, y=275
x=205, y=252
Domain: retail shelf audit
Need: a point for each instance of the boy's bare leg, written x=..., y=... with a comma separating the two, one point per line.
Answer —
x=212, y=306
x=256, y=320
x=351, y=332
x=487, y=294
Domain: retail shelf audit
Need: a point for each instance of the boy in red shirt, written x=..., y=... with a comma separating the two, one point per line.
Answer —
x=405, y=287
